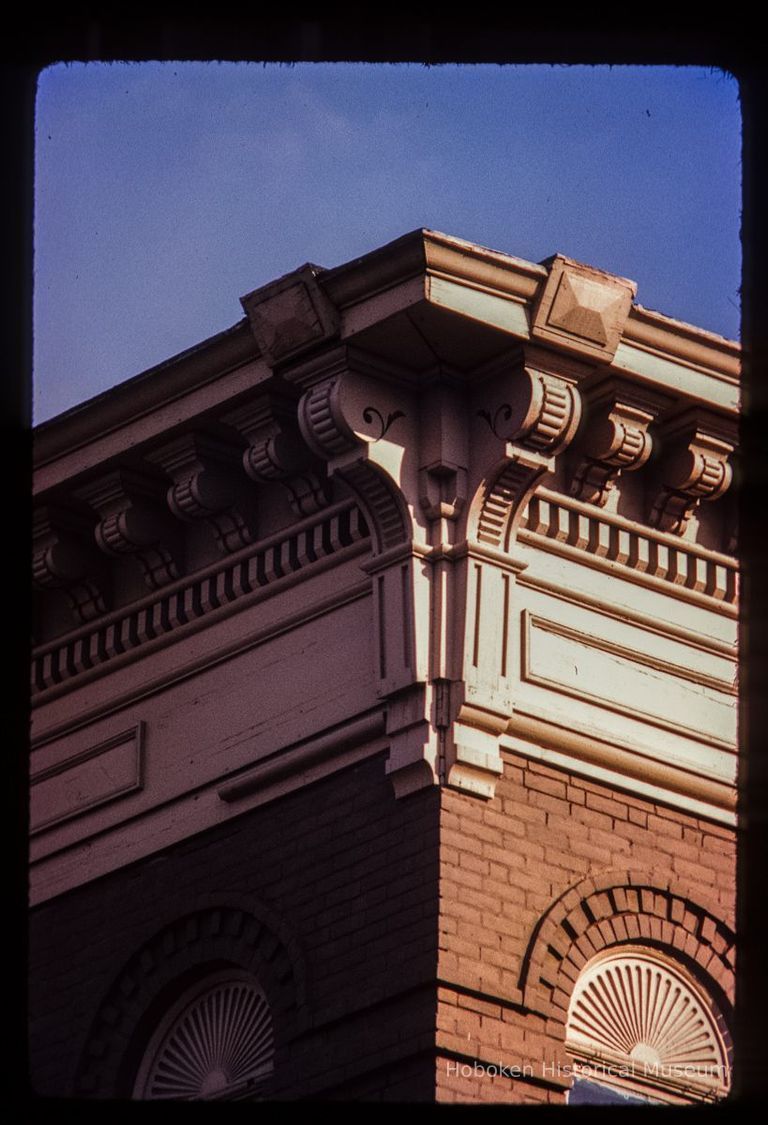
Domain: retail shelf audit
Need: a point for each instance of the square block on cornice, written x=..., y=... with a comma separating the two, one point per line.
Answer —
x=290, y=314
x=583, y=309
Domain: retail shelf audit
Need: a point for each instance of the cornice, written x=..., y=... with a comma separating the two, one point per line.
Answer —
x=191, y=602
x=440, y=384
x=457, y=277
x=665, y=336
x=146, y=392
x=425, y=251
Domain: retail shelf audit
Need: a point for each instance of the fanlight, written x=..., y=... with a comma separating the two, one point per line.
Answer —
x=216, y=1042
x=634, y=1014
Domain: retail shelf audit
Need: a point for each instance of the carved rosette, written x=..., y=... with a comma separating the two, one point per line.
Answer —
x=134, y=521
x=695, y=467
x=643, y=1015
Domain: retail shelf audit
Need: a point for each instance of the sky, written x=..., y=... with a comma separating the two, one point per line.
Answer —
x=166, y=191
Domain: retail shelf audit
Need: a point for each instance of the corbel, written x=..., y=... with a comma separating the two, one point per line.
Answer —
x=351, y=416
x=415, y=740
x=290, y=315
x=531, y=415
x=64, y=558
x=528, y=416
x=209, y=485
x=537, y=407
x=694, y=467
x=615, y=438
x=277, y=452
x=135, y=521
x=442, y=490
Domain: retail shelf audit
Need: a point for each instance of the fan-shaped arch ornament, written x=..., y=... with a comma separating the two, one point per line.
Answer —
x=643, y=1017
x=217, y=1041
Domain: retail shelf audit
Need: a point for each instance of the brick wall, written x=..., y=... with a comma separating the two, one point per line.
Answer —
x=328, y=894
x=410, y=949
x=535, y=883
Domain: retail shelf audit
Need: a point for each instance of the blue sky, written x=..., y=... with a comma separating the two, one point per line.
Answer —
x=164, y=191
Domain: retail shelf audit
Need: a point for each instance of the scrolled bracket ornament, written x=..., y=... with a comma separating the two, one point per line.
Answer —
x=135, y=522
x=370, y=413
x=322, y=421
x=537, y=421
x=334, y=428
x=695, y=468
x=616, y=441
x=64, y=558
x=498, y=419
x=542, y=414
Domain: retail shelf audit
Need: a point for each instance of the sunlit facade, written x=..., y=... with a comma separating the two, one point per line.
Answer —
x=384, y=699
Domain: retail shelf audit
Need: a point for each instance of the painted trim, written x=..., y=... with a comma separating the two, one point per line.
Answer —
x=613, y=534
x=646, y=620
x=133, y=735
x=191, y=668
x=162, y=826
x=301, y=755
x=619, y=765
x=530, y=621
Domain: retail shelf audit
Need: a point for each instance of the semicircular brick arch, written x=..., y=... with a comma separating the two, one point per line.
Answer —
x=190, y=947
x=623, y=908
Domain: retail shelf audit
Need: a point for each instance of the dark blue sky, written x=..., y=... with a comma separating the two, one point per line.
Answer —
x=164, y=191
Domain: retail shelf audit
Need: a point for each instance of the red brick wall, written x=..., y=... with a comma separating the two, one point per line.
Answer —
x=534, y=884
x=400, y=942
x=340, y=878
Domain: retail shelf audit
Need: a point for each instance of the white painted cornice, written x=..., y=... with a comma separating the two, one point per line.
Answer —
x=502, y=487
x=485, y=288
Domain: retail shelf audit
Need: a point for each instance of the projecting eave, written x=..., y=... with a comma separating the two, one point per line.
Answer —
x=427, y=304
x=146, y=392
x=423, y=253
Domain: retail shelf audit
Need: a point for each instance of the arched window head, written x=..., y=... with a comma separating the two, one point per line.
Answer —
x=638, y=1025
x=215, y=1042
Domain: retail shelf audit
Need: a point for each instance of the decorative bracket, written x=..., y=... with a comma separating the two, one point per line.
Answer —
x=64, y=558
x=353, y=420
x=537, y=418
x=209, y=486
x=695, y=467
x=616, y=438
x=541, y=408
x=277, y=452
x=135, y=521
x=442, y=490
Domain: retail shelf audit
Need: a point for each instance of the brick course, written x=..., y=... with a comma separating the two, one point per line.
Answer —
x=400, y=942
x=584, y=869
